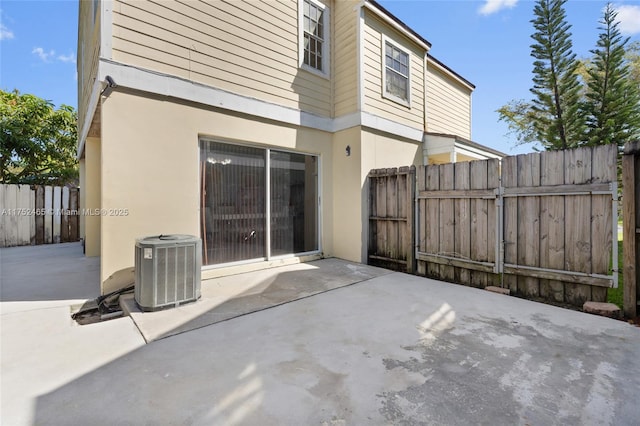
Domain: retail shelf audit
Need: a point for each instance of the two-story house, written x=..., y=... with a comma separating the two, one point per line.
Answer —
x=252, y=124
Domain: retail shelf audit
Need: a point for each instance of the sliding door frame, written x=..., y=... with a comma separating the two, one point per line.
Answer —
x=267, y=189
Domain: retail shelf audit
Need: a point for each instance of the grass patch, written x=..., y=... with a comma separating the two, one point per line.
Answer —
x=614, y=295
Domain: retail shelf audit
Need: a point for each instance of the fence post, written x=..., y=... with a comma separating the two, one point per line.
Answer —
x=631, y=226
x=411, y=220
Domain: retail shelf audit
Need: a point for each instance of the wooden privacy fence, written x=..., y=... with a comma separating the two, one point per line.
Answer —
x=631, y=227
x=540, y=224
x=391, y=230
x=31, y=215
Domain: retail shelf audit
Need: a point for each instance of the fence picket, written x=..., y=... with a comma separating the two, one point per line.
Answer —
x=39, y=217
x=528, y=218
x=64, y=219
x=578, y=227
x=11, y=224
x=447, y=227
x=48, y=216
x=552, y=224
x=57, y=217
x=603, y=169
x=479, y=222
x=462, y=218
x=432, y=181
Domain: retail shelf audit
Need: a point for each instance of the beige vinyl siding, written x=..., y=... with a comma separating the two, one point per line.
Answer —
x=249, y=48
x=345, y=56
x=374, y=102
x=88, y=56
x=448, y=105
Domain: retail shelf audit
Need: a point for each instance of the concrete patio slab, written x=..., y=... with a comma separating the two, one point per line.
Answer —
x=232, y=296
x=41, y=347
x=46, y=275
x=395, y=349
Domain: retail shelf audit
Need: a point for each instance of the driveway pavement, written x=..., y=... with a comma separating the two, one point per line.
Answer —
x=392, y=349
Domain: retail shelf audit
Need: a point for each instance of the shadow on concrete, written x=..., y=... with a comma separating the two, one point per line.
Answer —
x=48, y=272
x=233, y=296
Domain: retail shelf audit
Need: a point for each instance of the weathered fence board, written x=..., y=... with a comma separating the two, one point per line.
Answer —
x=48, y=216
x=552, y=224
x=540, y=224
x=462, y=218
x=57, y=207
x=631, y=228
x=391, y=218
x=604, y=234
x=74, y=219
x=446, y=230
x=28, y=215
x=578, y=218
x=39, y=219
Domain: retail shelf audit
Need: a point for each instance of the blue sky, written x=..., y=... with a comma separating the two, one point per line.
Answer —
x=487, y=42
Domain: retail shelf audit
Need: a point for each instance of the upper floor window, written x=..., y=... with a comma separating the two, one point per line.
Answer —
x=314, y=25
x=396, y=73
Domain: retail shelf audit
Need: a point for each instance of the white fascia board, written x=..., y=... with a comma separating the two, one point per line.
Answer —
x=474, y=152
x=380, y=14
x=450, y=74
x=346, y=122
x=91, y=110
x=166, y=85
x=435, y=150
x=388, y=126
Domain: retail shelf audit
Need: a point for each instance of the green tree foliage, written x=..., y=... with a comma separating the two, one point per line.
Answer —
x=612, y=102
x=520, y=117
x=608, y=84
x=38, y=142
x=632, y=57
x=557, y=123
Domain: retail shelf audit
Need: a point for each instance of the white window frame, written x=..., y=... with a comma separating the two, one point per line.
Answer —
x=387, y=40
x=326, y=51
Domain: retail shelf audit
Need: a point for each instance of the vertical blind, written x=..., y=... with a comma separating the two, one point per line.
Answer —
x=234, y=209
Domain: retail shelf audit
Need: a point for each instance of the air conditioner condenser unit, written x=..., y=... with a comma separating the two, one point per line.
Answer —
x=167, y=271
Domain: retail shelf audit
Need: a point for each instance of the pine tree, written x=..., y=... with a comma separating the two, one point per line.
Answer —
x=612, y=104
x=559, y=123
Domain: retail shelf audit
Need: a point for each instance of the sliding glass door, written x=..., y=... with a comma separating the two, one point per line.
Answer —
x=293, y=200
x=256, y=203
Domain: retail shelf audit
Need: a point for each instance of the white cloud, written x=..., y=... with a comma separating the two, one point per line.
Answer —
x=629, y=18
x=67, y=58
x=493, y=6
x=45, y=56
x=5, y=33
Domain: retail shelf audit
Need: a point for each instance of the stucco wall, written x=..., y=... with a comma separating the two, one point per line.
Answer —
x=369, y=150
x=150, y=166
x=92, y=196
x=347, y=209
